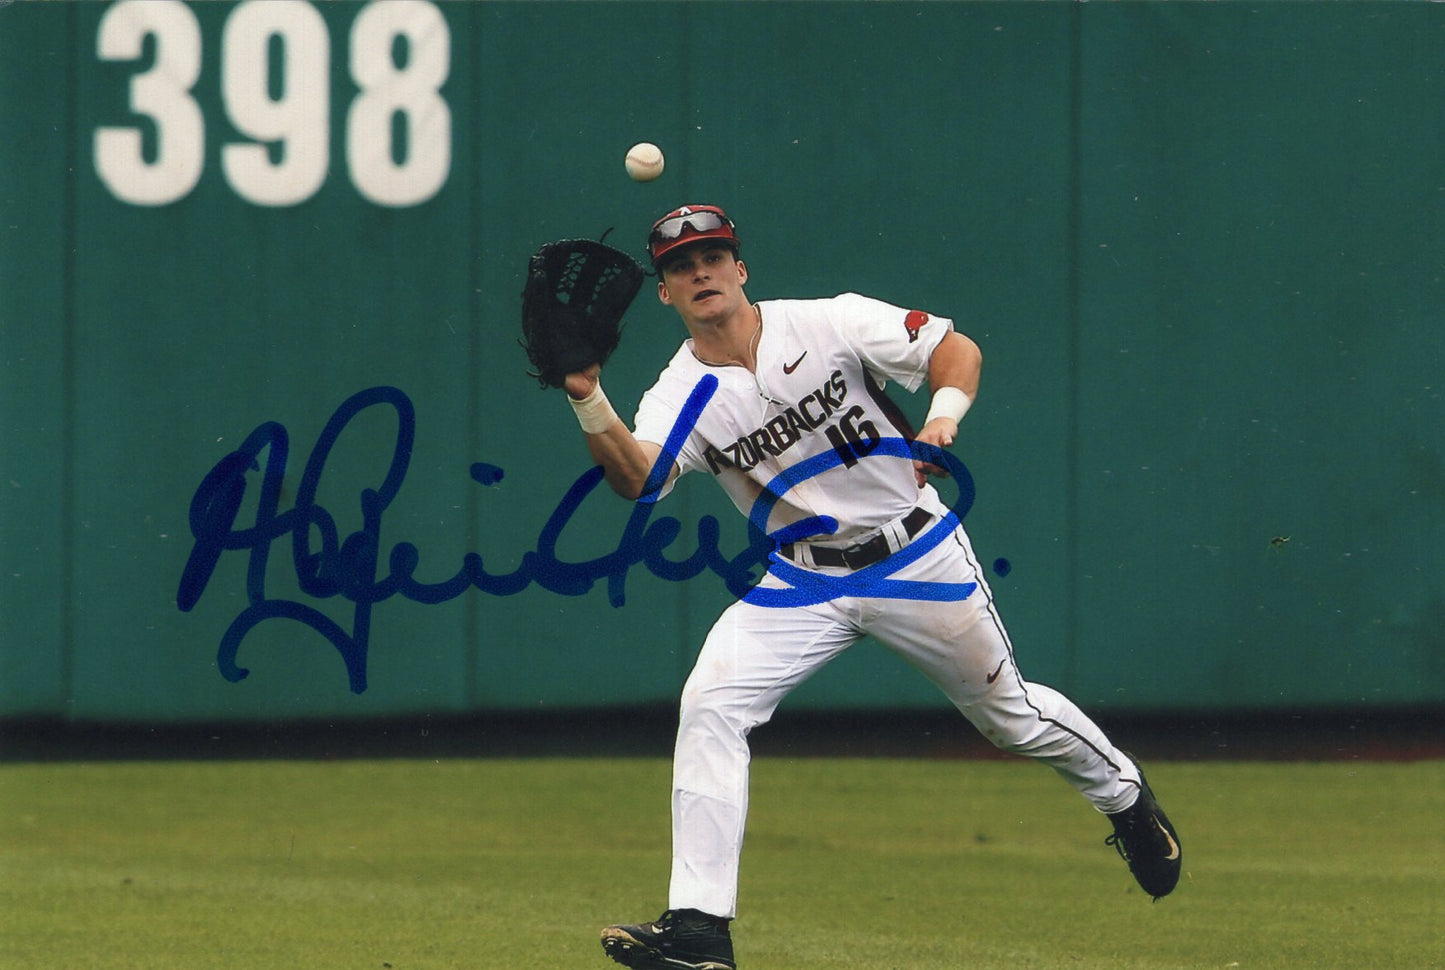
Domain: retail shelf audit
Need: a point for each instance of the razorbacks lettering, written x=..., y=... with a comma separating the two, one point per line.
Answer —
x=782, y=432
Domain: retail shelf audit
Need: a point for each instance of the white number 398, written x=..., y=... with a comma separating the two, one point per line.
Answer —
x=288, y=158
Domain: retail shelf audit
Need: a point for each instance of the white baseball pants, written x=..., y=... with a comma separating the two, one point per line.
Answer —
x=755, y=655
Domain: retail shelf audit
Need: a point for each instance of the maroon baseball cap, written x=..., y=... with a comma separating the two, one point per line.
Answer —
x=689, y=224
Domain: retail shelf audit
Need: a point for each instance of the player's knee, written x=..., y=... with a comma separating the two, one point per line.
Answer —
x=714, y=712
x=702, y=709
x=1007, y=732
x=1025, y=745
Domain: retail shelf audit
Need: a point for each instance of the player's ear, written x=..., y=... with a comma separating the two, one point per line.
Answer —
x=742, y=271
x=662, y=294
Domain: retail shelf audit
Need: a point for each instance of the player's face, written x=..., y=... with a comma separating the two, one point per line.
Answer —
x=703, y=283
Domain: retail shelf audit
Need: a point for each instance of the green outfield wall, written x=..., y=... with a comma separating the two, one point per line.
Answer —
x=1201, y=246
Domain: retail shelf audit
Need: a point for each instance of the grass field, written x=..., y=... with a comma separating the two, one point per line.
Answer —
x=850, y=863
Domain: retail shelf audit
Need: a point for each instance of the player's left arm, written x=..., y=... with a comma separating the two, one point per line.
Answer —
x=953, y=377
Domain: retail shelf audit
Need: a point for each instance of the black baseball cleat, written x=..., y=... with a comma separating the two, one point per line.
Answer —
x=683, y=939
x=1147, y=842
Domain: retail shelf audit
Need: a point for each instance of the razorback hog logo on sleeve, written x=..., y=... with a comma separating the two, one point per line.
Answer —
x=913, y=323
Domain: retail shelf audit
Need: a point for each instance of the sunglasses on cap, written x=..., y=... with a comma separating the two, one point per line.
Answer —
x=674, y=227
x=668, y=232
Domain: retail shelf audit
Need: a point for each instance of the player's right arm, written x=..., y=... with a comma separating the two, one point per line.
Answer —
x=626, y=462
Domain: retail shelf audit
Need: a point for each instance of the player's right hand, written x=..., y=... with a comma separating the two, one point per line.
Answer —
x=940, y=432
x=580, y=384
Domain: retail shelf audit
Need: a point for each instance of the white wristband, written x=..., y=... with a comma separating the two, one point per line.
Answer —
x=594, y=412
x=949, y=402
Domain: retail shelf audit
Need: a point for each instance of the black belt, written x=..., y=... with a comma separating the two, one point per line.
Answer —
x=864, y=553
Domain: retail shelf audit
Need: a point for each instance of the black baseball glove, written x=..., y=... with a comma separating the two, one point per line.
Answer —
x=572, y=305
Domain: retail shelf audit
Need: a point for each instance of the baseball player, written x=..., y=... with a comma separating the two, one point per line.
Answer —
x=796, y=379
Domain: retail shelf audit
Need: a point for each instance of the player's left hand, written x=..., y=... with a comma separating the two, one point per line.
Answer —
x=940, y=432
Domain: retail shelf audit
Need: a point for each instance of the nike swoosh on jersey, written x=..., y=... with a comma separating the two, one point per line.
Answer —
x=994, y=676
x=789, y=368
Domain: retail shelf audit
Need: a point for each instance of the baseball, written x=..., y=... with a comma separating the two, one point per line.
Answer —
x=644, y=161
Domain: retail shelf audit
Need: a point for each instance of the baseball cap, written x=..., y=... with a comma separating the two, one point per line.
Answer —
x=689, y=224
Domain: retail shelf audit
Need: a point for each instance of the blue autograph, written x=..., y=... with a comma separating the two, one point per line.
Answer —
x=328, y=564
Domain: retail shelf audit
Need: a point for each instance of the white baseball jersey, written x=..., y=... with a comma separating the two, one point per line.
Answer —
x=818, y=387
